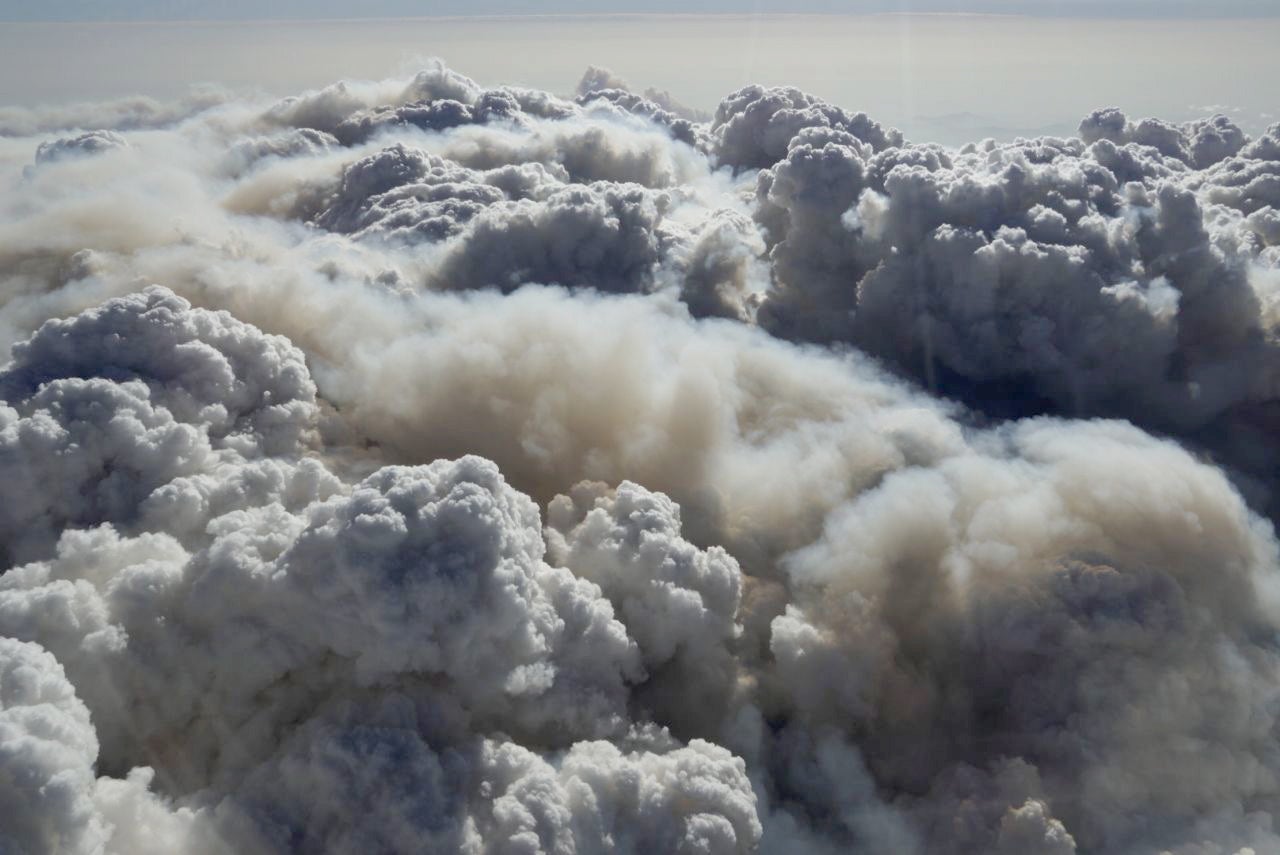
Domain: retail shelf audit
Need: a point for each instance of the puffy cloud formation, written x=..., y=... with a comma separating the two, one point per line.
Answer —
x=47, y=759
x=491, y=471
x=684, y=123
x=250, y=391
x=1127, y=273
x=409, y=612
x=676, y=598
x=754, y=126
x=1198, y=144
x=90, y=143
x=300, y=142
x=120, y=401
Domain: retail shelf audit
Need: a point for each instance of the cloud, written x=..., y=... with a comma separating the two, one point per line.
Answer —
x=48, y=757
x=1118, y=275
x=753, y=127
x=1017, y=575
x=85, y=144
x=418, y=464
x=659, y=107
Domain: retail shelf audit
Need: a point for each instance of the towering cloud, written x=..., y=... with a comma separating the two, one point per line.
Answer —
x=1126, y=274
x=416, y=465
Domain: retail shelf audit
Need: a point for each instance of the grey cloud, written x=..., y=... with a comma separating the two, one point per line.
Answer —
x=302, y=142
x=1119, y=274
x=436, y=115
x=90, y=143
x=47, y=760
x=494, y=795
x=252, y=391
x=679, y=602
x=753, y=127
x=600, y=84
x=1068, y=607
x=458, y=590
x=601, y=81
x=530, y=483
x=609, y=239
x=411, y=195
x=106, y=443
x=118, y=402
x=1198, y=144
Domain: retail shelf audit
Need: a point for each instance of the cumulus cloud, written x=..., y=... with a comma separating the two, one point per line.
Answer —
x=49, y=749
x=684, y=123
x=679, y=602
x=84, y=144
x=1126, y=273
x=754, y=126
x=419, y=594
x=421, y=464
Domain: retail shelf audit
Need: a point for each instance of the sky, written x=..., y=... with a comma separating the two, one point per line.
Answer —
x=943, y=78
x=125, y=10
x=942, y=70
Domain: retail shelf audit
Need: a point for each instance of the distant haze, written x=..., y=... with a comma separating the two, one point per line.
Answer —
x=939, y=77
x=54, y=10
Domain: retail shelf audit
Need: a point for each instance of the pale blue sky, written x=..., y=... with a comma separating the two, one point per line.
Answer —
x=100, y=10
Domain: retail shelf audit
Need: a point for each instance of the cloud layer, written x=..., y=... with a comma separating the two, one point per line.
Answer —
x=418, y=465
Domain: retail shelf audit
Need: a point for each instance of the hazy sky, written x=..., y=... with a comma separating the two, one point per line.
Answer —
x=50, y=10
x=947, y=78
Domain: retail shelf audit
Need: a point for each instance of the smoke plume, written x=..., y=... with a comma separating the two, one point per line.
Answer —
x=420, y=466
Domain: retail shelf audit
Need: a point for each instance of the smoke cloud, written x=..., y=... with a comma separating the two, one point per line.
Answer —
x=414, y=465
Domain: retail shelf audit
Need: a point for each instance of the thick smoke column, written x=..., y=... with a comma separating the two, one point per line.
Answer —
x=1127, y=273
x=419, y=466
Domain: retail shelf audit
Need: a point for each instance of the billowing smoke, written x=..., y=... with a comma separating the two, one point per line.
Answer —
x=419, y=466
x=1128, y=273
